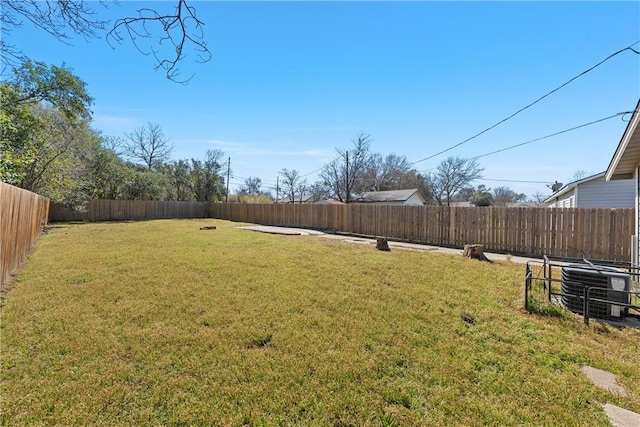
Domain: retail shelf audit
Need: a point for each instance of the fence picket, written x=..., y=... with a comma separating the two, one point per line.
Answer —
x=23, y=215
x=590, y=233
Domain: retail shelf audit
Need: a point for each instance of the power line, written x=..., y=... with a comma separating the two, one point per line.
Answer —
x=553, y=134
x=502, y=149
x=515, y=180
x=320, y=168
x=531, y=104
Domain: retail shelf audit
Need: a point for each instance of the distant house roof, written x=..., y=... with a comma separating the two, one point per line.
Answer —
x=328, y=202
x=461, y=204
x=568, y=187
x=508, y=205
x=627, y=155
x=388, y=196
x=306, y=198
x=525, y=205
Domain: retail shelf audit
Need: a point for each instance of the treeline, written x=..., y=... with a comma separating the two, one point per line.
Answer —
x=358, y=170
x=47, y=146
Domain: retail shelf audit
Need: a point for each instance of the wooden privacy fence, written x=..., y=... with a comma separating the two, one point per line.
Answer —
x=23, y=214
x=123, y=210
x=599, y=234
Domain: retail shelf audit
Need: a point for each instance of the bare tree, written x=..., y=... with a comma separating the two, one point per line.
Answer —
x=53, y=17
x=175, y=29
x=252, y=186
x=301, y=189
x=578, y=175
x=344, y=174
x=292, y=184
x=502, y=196
x=115, y=144
x=451, y=176
x=386, y=173
x=148, y=145
x=318, y=191
x=538, y=197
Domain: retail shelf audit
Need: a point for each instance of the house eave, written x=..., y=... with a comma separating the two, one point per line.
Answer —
x=565, y=189
x=627, y=154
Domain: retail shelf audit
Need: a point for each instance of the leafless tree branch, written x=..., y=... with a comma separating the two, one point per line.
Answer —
x=178, y=30
x=170, y=34
x=148, y=145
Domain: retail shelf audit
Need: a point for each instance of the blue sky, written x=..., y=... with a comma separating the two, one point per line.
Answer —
x=289, y=82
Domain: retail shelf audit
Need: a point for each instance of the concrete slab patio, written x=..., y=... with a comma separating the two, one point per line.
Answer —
x=291, y=231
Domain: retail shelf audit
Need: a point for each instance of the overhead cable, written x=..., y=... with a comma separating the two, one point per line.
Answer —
x=515, y=180
x=553, y=134
x=630, y=48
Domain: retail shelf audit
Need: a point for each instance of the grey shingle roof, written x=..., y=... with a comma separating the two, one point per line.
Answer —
x=387, y=196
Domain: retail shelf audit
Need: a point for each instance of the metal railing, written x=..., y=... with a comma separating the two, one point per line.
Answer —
x=542, y=272
x=588, y=299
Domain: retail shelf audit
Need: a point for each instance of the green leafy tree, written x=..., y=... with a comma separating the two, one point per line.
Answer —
x=35, y=82
x=109, y=175
x=482, y=197
x=45, y=133
x=19, y=127
x=144, y=184
x=206, y=178
x=64, y=152
x=464, y=194
x=178, y=176
x=504, y=195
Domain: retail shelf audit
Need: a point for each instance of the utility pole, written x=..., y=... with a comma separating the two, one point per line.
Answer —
x=277, y=187
x=226, y=199
x=346, y=184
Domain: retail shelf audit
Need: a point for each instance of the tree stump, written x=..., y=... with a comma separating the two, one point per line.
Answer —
x=382, y=244
x=475, y=252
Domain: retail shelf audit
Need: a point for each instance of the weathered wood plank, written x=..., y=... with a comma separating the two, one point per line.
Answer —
x=590, y=233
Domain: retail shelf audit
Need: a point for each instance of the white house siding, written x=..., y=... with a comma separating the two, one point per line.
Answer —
x=599, y=193
x=414, y=200
x=567, y=200
x=395, y=203
x=409, y=202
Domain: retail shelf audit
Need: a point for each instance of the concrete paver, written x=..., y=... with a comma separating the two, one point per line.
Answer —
x=620, y=417
x=603, y=379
